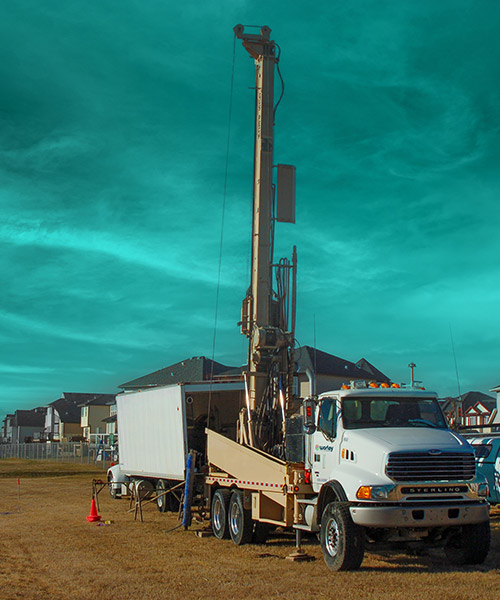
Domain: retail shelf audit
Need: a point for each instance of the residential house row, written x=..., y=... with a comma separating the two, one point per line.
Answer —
x=79, y=416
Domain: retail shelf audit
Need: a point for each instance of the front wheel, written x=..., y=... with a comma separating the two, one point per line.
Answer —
x=342, y=541
x=469, y=545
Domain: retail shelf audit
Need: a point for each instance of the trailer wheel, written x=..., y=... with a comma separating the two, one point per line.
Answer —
x=240, y=520
x=163, y=501
x=219, y=513
x=342, y=541
x=469, y=545
x=113, y=492
x=143, y=488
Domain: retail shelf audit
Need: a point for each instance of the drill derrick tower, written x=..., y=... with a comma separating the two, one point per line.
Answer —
x=268, y=313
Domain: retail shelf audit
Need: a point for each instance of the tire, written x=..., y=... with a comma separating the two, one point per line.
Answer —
x=240, y=520
x=261, y=532
x=113, y=492
x=163, y=502
x=342, y=541
x=219, y=513
x=144, y=488
x=469, y=545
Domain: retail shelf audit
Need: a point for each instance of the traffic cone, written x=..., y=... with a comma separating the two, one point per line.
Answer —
x=93, y=513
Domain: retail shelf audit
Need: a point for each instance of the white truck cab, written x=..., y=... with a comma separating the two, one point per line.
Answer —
x=384, y=463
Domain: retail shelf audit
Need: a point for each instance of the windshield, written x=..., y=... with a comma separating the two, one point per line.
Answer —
x=360, y=412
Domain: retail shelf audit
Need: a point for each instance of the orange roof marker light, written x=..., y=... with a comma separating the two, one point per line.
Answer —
x=395, y=385
x=384, y=385
x=372, y=384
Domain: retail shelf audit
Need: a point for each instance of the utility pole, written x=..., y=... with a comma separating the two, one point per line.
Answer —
x=412, y=366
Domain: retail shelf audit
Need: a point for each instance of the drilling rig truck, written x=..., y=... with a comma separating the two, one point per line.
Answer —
x=366, y=466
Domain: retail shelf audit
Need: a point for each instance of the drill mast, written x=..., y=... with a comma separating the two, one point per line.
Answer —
x=268, y=315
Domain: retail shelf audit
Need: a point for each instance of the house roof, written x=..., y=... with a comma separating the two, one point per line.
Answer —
x=322, y=363
x=92, y=399
x=29, y=418
x=472, y=398
x=198, y=368
x=111, y=419
x=469, y=400
x=367, y=366
x=68, y=409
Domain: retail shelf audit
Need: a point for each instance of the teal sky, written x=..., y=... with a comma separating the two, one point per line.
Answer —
x=113, y=133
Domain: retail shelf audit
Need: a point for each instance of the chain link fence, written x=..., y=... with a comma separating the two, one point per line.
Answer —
x=72, y=452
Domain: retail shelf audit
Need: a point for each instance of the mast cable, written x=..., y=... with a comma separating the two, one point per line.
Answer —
x=224, y=195
x=456, y=371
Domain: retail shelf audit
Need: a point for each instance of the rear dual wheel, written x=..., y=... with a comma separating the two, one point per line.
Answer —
x=230, y=519
x=219, y=513
x=240, y=520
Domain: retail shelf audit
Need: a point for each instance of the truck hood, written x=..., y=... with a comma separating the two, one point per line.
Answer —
x=392, y=439
x=370, y=448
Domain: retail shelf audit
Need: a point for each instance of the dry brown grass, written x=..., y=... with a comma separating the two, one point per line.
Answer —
x=15, y=467
x=49, y=551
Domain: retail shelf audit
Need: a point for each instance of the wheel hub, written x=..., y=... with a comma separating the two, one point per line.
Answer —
x=235, y=519
x=217, y=514
x=332, y=537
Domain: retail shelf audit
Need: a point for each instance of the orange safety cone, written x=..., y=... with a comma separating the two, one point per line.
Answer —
x=93, y=513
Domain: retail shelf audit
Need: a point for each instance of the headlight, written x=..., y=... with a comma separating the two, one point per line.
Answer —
x=483, y=490
x=374, y=492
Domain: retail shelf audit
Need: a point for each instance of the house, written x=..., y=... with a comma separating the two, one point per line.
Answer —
x=28, y=425
x=63, y=418
x=198, y=368
x=496, y=390
x=472, y=409
x=94, y=409
x=6, y=430
x=318, y=371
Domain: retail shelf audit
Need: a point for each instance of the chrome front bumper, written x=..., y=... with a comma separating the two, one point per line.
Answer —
x=426, y=515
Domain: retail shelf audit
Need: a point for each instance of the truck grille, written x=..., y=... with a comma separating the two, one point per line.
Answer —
x=425, y=466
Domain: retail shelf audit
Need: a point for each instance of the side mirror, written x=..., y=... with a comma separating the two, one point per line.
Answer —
x=309, y=415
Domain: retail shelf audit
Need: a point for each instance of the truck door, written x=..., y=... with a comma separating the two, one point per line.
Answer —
x=495, y=492
x=324, y=450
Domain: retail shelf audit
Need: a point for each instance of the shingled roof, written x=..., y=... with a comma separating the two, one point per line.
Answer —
x=29, y=418
x=322, y=363
x=68, y=405
x=469, y=400
x=472, y=398
x=92, y=399
x=198, y=368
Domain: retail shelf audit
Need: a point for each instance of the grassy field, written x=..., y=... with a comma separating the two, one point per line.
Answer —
x=48, y=550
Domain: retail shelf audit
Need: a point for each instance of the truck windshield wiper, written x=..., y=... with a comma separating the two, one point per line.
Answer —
x=422, y=422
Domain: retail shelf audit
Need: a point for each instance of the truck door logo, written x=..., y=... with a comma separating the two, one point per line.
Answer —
x=323, y=448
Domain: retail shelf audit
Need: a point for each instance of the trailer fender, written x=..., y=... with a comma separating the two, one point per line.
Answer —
x=331, y=491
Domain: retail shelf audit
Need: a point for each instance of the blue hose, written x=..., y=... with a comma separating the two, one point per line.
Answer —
x=188, y=491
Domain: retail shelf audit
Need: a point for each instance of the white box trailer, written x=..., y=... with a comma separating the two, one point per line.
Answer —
x=152, y=430
x=157, y=427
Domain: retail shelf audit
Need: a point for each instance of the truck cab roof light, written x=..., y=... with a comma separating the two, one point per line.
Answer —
x=395, y=385
x=373, y=384
x=384, y=385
